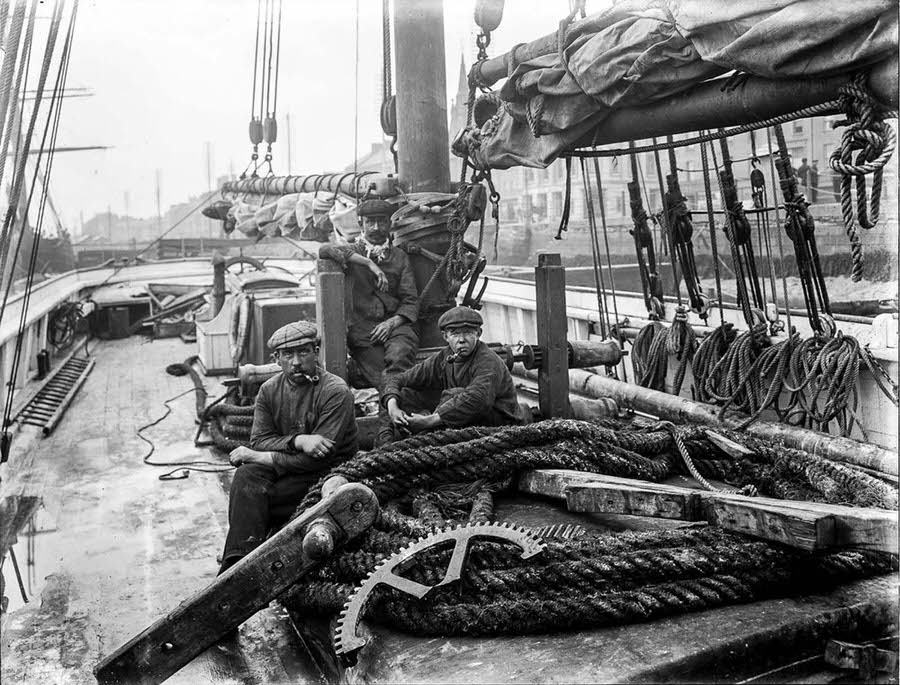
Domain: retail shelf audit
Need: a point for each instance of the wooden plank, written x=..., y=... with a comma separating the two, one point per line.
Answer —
x=806, y=525
x=809, y=530
x=864, y=658
x=613, y=498
x=248, y=586
x=550, y=298
x=330, y=317
x=554, y=482
x=859, y=527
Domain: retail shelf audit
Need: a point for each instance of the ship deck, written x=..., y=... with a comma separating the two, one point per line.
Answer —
x=112, y=549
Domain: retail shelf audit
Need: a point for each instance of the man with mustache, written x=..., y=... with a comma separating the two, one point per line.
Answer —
x=476, y=387
x=382, y=302
x=303, y=424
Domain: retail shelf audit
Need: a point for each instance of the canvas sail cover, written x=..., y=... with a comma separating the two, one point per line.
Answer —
x=641, y=51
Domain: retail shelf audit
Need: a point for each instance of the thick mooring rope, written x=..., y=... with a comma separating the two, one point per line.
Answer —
x=598, y=579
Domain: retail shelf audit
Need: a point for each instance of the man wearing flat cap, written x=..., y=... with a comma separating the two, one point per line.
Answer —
x=475, y=385
x=382, y=302
x=303, y=424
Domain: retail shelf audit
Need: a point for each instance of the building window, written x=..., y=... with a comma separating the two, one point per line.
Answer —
x=798, y=126
x=556, y=205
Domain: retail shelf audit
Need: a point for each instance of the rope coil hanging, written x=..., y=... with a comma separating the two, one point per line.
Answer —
x=874, y=141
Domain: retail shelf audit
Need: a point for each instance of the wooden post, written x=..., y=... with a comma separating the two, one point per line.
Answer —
x=553, y=377
x=330, y=317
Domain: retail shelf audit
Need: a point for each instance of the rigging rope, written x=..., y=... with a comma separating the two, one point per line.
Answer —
x=800, y=228
x=10, y=53
x=772, y=177
x=602, y=314
x=6, y=143
x=713, y=241
x=388, y=100
x=681, y=230
x=614, y=328
x=197, y=206
x=52, y=124
x=663, y=218
x=263, y=126
x=737, y=231
x=651, y=282
x=20, y=170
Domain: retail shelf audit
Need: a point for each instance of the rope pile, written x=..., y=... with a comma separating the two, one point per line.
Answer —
x=229, y=425
x=598, y=579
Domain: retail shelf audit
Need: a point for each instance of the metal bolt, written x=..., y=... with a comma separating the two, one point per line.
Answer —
x=356, y=507
x=277, y=565
x=223, y=606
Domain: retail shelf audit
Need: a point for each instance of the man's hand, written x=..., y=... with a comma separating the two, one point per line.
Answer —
x=397, y=416
x=315, y=446
x=381, y=332
x=381, y=281
x=422, y=422
x=244, y=455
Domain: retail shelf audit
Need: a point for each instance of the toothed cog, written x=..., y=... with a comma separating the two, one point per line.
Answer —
x=347, y=641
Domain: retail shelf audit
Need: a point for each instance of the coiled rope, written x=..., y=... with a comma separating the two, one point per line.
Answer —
x=594, y=580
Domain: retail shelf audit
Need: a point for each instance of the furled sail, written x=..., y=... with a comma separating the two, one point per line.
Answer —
x=640, y=52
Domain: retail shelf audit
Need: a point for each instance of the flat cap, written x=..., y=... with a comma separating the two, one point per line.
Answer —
x=293, y=335
x=375, y=207
x=460, y=316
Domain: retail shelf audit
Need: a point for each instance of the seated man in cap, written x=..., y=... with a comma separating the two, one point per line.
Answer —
x=382, y=302
x=475, y=385
x=303, y=424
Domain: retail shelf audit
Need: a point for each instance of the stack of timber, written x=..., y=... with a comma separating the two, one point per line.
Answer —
x=803, y=525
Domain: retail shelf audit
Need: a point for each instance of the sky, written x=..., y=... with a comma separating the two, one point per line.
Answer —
x=172, y=78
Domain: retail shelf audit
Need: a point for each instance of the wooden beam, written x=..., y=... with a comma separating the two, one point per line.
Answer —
x=804, y=529
x=550, y=298
x=858, y=527
x=682, y=410
x=804, y=525
x=248, y=586
x=554, y=482
x=615, y=498
x=330, y=317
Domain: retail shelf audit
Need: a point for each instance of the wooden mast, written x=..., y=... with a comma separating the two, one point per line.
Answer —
x=424, y=142
x=423, y=138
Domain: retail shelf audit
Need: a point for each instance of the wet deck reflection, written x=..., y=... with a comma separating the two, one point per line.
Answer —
x=105, y=548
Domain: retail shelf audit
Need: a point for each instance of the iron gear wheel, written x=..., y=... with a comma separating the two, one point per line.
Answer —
x=347, y=642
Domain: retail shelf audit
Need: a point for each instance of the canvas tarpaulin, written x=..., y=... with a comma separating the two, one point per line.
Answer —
x=641, y=52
